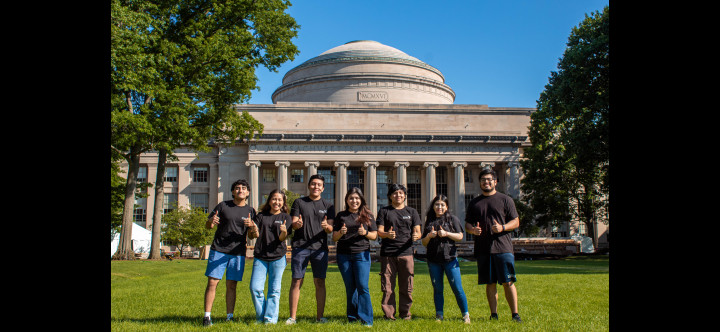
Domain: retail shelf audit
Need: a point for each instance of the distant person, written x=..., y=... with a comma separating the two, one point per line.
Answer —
x=398, y=226
x=227, y=251
x=312, y=220
x=442, y=230
x=354, y=228
x=270, y=228
x=490, y=218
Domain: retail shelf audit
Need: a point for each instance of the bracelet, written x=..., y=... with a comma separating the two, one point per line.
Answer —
x=503, y=227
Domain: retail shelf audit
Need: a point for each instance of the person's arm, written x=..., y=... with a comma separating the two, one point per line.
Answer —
x=339, y=233
x=417, y=233
x=212, y=220
x=284, y=230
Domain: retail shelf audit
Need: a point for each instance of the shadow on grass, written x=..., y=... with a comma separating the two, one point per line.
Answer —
x=217, y=319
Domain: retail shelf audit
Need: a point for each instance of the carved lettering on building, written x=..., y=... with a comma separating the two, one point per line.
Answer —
x=372, y=96
x=374, y=149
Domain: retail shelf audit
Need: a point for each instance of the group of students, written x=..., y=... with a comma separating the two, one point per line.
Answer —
x=490, y=218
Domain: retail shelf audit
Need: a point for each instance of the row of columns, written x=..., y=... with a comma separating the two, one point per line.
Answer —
x=370, y=189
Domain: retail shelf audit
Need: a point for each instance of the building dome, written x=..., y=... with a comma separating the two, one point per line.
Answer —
x=364, y=71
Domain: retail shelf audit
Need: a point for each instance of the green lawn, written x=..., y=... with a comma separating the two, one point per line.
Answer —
x=553, y=295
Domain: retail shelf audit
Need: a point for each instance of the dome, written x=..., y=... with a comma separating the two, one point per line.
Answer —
x=364, y=71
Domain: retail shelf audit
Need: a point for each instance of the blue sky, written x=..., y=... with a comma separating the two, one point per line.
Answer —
x=497, y=53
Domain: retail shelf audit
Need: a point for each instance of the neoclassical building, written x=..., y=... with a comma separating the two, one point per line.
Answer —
x=365, y=115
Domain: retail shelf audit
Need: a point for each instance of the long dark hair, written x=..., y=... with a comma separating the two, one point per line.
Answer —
x=266, y=207
x=445, y=218
x=364, y=212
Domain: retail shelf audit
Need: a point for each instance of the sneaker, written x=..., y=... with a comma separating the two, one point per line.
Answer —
x=439, y=318
x=207, y=321
x=466, y=319
x=493, y=316
x=408, y=317
x=290, y=321
x=322, y=320
x=516, y=318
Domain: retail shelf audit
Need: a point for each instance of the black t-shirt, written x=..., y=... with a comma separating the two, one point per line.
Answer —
x=402, y=221
x=442, y=249
x=268, y=246
x=483, y=209
x=351, y=242
x=311, y=235
x=230, y=233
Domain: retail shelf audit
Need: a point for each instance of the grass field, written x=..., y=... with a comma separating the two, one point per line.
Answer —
x=571, y=294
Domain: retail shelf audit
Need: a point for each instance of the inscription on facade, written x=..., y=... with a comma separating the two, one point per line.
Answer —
x=372, y=96
x=360, y=149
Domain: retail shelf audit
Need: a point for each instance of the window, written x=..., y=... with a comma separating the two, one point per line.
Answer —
x=142, y=175
x=140, y=211
x=296, y=175
x=329, y=192
x=199, y=200
x=414, y=194
x=268, y=175
x=169, y=202
x=440, y=181
x=468, y=175
x=384, y=179
x=171, y=174
x=355, y=177
x=200, y=174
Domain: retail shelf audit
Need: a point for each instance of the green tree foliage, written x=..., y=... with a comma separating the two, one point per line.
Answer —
x=566, y=168
x=177, y=67
x=186, y=227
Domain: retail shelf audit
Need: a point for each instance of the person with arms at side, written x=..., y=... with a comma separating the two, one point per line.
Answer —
x=442, y=230
x=312, y=219
x=399, y=226
x=490, y=218
x=227, y=252
x=355, y=227
x=270, y=227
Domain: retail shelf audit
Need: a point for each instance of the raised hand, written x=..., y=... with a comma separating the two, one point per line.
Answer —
x=432, y=232
x=496, y=228
x=442, y=232
x=325, y=224
x=283, y=229
x=361, y=230
x=477, y=230
x=343, y=229
x=416, y=235
x=391, y=233
x=249, y=222
x=215, y=219
x=298, y=223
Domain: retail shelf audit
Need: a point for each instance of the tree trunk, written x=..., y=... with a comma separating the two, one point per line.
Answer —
x=158, y=205
x=124, y=251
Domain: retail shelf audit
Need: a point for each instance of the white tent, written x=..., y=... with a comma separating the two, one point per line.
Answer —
x=141, y=239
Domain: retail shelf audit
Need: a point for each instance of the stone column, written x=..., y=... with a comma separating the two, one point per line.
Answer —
x=401, y=177
x=514, y=179
x=254, y=182
x=340, y=184
x=371, y=185
x=486, y=164
x=460, y=189
x=312, y=167
x=282, y=174
x=430, y=191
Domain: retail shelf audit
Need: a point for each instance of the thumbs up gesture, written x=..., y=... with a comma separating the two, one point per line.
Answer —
x=325, y=226
x=391, y=233
x=361, y=231
x=343, y=229
x=477, y=230
x=496, y=228
x=215, y=219
x=249, y=222
x=298, y=223
x=441, y=232
x=432, y=232
x=283, y=229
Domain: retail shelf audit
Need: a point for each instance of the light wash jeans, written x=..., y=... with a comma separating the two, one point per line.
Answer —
x=355, y=271
x=452, y=270
x=267, y=308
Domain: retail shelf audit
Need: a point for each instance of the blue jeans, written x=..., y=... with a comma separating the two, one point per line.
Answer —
x=452, y=270
x=355, y=271
x=266, y=308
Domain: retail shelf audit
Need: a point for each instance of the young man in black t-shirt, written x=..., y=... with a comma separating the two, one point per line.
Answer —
x=227, y=252
x=491, y=217
x=398, y=226
x=312, y=219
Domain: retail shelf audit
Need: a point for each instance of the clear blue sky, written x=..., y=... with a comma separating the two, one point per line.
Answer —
x=498, y=53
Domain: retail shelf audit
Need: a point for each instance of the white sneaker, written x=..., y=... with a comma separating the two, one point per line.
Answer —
x=290, y=321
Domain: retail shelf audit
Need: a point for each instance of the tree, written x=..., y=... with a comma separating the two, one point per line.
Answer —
x=178, y=66
x=186, y=227
x=566, y=168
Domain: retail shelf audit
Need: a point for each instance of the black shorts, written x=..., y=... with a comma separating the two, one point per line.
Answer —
x=496, y=268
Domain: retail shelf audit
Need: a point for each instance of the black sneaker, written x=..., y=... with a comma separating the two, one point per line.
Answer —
x=517, y=318
x=493, y=317
x=207, y=321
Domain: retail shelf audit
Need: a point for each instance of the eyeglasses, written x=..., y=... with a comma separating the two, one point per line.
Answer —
x=486, y=179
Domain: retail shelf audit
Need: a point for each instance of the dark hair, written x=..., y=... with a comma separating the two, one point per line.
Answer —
x=316, y=176
x=363, y=211
x=395, y=187
x=240, y=182
x=445, y=218
x=266, y=207
x=488, y=171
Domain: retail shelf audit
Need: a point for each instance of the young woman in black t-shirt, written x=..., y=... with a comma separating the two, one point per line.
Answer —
x=442, y=230
x=270, y=228
x=355, y=227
